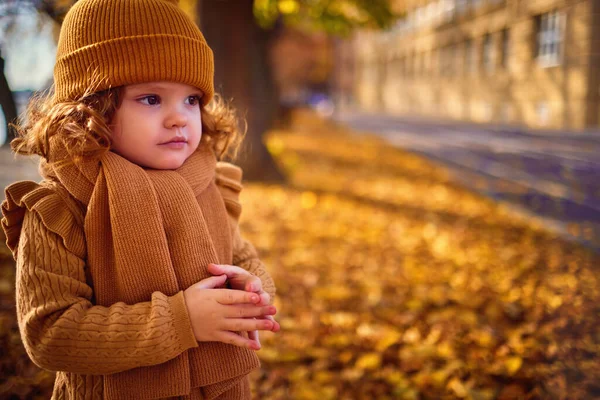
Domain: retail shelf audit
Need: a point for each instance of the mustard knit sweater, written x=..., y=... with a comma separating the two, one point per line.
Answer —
x=58, y=319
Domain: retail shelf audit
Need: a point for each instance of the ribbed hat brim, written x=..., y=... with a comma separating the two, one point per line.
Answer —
x=133, y=59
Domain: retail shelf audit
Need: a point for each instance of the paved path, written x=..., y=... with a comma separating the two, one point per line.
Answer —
x=11, y=169
x=555, y=175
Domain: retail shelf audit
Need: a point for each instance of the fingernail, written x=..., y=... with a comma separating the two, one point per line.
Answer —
x=267, y=325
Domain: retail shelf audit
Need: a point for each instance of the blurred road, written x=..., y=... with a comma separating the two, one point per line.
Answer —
x=555, y=175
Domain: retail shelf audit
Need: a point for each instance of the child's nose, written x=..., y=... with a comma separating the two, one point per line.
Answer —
x=175, y=119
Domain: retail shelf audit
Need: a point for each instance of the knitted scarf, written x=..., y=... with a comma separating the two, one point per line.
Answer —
x=156, y=230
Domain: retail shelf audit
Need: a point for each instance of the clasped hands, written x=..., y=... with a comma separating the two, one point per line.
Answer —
x=216, y=312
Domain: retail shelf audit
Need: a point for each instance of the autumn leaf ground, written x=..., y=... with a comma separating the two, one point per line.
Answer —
x=395, y=282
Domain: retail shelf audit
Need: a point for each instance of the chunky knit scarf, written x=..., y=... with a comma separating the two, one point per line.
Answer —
x=150, y=230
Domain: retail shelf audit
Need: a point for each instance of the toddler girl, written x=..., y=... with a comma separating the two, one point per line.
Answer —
x=133, y=281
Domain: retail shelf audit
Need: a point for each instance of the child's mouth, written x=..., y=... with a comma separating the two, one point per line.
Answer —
x=175, y=143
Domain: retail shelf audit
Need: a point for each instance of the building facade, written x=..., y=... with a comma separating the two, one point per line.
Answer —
x=524, y=62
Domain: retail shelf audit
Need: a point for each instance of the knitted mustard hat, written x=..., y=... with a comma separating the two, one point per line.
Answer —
x=110, y=43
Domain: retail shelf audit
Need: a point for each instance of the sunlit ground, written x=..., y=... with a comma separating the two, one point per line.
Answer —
x=393, y=282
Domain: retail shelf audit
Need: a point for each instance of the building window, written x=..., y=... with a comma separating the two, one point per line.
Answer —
x=488, y=50
x=470, y=59
x=475, y=3
x=506, y=113
x=549, y=38
x=417, y=64
x=447, y=60
x=543, y=113
x=419, y=16
x=505, y=48
x=461, y=6
x=449, y=9
x=440, y=10
x=429, y=59
x=431, y=17
x=487, y=111
x=443, y=70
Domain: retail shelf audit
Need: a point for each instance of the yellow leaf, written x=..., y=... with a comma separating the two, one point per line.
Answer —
x=484, y=339
x=269, y=354
x=445, y=350
x=352, y=374
x=339, y=319
x=458, y=388
x=555, y=301
x=288, y=6
x=275, y=146
x=412, y=335
x=333, y=292
x=368, y=361
x=513, y=364
x=391, y=337
x=308, y=200
x=324, y=376
x=346, y=356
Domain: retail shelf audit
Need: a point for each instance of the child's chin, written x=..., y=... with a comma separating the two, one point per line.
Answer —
x=165, y=164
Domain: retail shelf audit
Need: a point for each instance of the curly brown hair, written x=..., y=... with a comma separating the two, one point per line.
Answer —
x=83, y=126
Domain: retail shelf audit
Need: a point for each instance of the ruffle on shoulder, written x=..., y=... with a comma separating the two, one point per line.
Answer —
x=229, y=182
x=57, y=214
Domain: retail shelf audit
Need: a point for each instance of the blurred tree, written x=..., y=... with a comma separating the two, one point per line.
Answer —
x=7, y=102
x=240, y=33
x=56, y=9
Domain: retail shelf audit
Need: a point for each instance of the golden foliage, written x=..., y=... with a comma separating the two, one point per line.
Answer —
x=396, y=283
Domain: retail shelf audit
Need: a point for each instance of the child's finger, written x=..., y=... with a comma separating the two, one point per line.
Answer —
x=212, y=282
x=230, y=270
x=265, y=298
x=276, y=326
x=253, y=335
x=237, y=340
x=230, y=296
x=248, y=311
x=246, y=324
x=253, y=284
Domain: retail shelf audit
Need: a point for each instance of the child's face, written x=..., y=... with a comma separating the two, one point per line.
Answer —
x=158, y=124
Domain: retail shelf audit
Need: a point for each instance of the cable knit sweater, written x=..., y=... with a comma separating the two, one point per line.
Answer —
x=62, y=328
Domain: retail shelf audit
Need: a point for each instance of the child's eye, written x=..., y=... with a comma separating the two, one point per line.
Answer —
x=193, y=100
x=151, y=100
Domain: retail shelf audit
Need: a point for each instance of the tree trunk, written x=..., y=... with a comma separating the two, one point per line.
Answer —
x=8, y=104
x=243, y=74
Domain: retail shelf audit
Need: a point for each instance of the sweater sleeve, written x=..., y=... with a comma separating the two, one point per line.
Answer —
x=246, y=256
x=62, y=330
x=229, y=183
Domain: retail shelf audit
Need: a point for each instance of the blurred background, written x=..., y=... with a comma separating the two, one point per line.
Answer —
x=423, y=182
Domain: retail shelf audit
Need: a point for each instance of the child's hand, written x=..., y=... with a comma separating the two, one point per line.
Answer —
x=241, y=279
x=216, y=314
